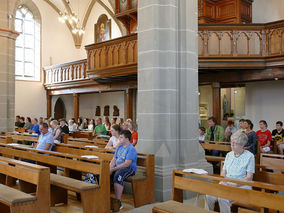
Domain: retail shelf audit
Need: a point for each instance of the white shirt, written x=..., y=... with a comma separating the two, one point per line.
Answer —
x=201, y=138
x=73, y=128
x=114, y=141
x=91, y=127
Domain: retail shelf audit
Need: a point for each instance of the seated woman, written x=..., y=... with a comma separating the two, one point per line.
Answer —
x=201, y=132
x=56, y=133
x=28, y=123
x=252, y=143
x=239, y=164
x=113, y=142
x=72, y=126
x=91, y=125
x=107, y=124
x=134, y=133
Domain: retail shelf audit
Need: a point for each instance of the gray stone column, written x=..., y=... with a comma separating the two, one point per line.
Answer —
x=7, y=65
x=168, y=88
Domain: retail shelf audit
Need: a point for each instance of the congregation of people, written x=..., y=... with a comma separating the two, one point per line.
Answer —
x=263, y=135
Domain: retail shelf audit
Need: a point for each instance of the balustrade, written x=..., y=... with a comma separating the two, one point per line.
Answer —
x=73, y=71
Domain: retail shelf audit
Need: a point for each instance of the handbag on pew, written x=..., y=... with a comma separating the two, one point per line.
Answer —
x=92, y=178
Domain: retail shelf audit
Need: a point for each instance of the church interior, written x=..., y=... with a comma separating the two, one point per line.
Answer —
x=200, y=81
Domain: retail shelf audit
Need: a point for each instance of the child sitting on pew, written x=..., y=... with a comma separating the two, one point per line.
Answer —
x=123, y=164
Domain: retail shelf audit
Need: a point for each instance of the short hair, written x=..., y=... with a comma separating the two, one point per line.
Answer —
x=22, y=118
x=55, y=122
x=212, y=119
x=62, y=119
x=18, y=116
x=72, y=121
x=280, y=123
x=44, y=125
x=99, y=118
x=126, y=133
x=116, y=127
x=249, y=123
x=242, y=120
x=29, y=119
x=202, y=129
x=264, y=122
x=240, y=138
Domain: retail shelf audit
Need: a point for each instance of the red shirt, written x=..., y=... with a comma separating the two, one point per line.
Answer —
x=134, y=136
x=263, y=137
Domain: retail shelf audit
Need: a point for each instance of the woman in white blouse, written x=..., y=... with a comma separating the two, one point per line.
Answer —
x=113, y=142
x=91, y=125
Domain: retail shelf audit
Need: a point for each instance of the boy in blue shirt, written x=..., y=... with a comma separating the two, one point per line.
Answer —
x=123, y=163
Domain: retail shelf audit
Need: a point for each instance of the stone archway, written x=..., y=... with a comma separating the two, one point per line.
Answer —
x=59, y=109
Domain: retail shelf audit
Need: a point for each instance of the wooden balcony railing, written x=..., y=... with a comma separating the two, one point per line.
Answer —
x=64, y=73
x=257, y=44
x=117, y=57
x=221, y=47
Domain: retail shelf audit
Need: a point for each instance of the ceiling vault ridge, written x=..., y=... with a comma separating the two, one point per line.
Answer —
x=76, y=37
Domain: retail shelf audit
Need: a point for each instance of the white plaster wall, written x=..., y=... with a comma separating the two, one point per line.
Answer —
x=88, y=103
x=265, y=101
x=30, y=99
x=205, y=97
x=57, y=46
x=264, y=11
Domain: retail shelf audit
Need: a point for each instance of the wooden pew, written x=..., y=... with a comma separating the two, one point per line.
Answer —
x=215, y=145
x=20, y=130
x=80, y=134
x=84, y=142
x=273, y=160
x=95, y=198
x=6, y=139
x=19, y=201
x=142, y=182
x=209, y=184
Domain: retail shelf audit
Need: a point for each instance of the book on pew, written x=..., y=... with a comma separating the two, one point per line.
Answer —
x=91, y=146
x=196, y=171
x=90, y=156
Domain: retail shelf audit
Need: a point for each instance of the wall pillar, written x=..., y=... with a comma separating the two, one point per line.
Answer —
x=216, y=90
x=168, y=89
x=129, y=103
x=76, y=106
x=7, y=64
x=48, y=105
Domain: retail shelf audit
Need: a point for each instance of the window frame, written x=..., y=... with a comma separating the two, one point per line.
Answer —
x=35, y=47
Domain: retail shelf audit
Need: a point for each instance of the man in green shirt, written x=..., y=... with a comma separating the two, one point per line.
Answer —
x=100, y=128
x=214, y=132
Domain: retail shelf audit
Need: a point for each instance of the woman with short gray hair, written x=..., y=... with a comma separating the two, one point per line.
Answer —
x=239, y=164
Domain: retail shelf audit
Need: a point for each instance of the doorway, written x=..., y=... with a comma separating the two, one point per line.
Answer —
x=59, y=109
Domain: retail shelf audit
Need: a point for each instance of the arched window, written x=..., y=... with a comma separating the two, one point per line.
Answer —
x=27, y=62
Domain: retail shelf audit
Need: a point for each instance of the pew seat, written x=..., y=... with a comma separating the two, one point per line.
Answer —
x=172, y=206
x=71, y=184
x=11, y=196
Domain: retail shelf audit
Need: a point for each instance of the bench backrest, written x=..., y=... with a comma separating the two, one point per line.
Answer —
x=272, y=160
x=209, y=184
x=143, y=160
x=268, y=174
x=30, y=173
x=6, y=139
x=213, y=145
x=67, y=161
